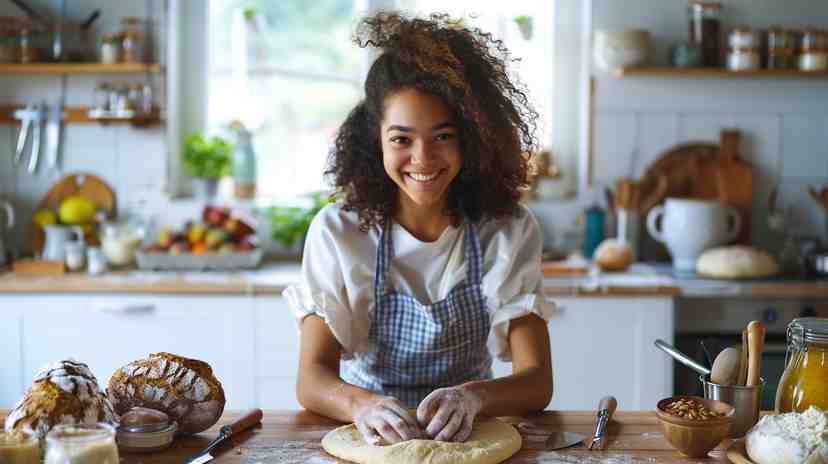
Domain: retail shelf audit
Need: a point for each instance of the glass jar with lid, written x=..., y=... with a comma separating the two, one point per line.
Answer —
x=781, y=45
x=814, y=56
x=110, y=49
x=132, y=40
x=81, y=444
x=805, y=380
x=705, y=29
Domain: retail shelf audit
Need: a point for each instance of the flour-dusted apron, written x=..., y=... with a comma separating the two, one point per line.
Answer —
x=416, y=348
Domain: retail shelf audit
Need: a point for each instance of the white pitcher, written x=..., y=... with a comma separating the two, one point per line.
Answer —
x=688, y=227
x=54, y=249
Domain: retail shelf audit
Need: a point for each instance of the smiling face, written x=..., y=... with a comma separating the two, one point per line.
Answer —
x=420, y=149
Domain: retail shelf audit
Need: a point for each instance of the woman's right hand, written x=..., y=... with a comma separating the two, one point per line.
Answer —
x=386, y=419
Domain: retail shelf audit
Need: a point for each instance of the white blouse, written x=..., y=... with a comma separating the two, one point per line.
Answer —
x=337, y=279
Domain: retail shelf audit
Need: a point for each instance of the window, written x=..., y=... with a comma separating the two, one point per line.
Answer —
x=291, y=73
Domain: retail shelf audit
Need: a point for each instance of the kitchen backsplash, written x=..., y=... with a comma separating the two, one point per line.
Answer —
x=784, y=125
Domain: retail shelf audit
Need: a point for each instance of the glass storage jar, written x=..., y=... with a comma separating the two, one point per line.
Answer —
x=110, y=49
x=805, y=380
x=814, y=55
x=781, y=47
x=132, y=40
x=743, y=59
x=705, y=29
x=81, y=444
x=19, y=448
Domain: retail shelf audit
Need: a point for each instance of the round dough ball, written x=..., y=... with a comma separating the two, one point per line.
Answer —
x=790, y=438
x=492, y=441
x=736, y=262
x=613, y=255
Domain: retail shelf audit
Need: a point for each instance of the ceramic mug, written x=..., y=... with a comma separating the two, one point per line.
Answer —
x=57, y=237
x=689, y=227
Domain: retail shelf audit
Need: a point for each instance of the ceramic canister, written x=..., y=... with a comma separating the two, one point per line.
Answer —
x=689, y=227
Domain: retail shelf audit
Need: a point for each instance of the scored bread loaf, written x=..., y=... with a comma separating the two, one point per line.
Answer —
x=184, y=388
x=64, y=392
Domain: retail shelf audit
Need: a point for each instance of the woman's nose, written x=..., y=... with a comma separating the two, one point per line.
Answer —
x=421, y=152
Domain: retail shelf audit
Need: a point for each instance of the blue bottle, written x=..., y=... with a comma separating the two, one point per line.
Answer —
x=594, y=219
x=244, y=164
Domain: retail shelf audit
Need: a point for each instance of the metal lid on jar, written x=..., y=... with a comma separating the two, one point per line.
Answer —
x=808, y=330
x=140, y=419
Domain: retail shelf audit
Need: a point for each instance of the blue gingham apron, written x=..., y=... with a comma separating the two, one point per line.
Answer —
x=417, y=348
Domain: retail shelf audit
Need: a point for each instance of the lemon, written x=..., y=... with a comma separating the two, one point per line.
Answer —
x=76, y=209
x=45, y=217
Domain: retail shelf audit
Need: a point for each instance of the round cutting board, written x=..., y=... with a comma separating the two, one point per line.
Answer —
x=87, y=185
x=737, y=453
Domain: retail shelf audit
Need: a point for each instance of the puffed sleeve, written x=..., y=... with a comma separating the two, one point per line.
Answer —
x=321, y=289
x=512, y=280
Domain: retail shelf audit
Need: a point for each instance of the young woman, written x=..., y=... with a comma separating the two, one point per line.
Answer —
x=427, y=263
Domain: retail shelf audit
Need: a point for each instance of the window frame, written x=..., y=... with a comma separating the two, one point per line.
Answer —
x=569, y=127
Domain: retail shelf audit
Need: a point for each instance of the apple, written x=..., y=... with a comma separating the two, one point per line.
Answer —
x=214, y=215
x=165, y=237
x=215, y=238
x=196, y=233
x=238, y=228
x=247, y=243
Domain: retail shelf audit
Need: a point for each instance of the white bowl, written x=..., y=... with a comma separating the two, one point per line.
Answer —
x=621, y=49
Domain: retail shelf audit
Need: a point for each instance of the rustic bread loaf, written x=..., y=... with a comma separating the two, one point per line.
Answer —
x=65, y=392
x=736, y=262
x=185, y=389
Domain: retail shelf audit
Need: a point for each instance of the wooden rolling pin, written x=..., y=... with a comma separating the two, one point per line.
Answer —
x=756, y=344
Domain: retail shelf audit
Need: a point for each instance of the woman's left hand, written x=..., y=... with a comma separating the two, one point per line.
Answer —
x=447, y=414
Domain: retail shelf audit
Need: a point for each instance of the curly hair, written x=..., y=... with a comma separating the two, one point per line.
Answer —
x=464, y=67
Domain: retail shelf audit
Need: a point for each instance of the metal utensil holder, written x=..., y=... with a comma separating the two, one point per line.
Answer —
x=746, y=401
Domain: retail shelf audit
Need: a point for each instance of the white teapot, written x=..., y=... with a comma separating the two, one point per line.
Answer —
x=688, y=227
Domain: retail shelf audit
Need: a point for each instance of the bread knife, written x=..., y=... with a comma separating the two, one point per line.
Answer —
x=249, y=419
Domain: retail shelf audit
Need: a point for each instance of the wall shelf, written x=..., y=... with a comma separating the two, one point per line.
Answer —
x=81, y=115
x=716, y=73
x=77, y=68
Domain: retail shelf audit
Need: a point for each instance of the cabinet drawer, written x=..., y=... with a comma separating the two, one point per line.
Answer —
x=109, y=331
x=277, y=339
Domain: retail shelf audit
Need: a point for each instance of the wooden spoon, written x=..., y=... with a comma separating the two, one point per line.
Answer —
x=725, y=370
x=743, y=360
x=756, y=343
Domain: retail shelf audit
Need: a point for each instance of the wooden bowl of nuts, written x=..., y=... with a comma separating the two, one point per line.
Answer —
x=694, y=425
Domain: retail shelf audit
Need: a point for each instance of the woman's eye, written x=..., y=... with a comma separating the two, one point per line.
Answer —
x=444, y=136
x=400, y=140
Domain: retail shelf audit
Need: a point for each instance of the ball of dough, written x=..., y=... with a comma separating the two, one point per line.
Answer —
x=790, y=438
x=613, y=255
x=736, y=262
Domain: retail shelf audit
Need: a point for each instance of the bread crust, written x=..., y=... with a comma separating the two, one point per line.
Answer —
x=184, y=388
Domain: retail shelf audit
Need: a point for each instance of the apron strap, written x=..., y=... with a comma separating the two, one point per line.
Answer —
x=383, y=261
x=474, y=257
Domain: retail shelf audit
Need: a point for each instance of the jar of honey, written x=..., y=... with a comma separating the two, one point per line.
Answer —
x=805, y=380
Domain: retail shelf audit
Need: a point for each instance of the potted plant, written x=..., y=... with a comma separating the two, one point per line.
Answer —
x=207, y=160
x=288, y=225
x=525, y=25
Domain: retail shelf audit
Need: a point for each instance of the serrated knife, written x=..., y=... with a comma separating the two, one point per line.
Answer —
x=249, y=419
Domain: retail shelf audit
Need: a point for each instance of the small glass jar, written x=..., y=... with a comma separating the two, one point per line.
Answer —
x=26, y=46
x=743, y=59
x=814, y=55
x=110, y=49
x=81, y=444
x=96, y=261
x=805, y=380
x=781, y=46
x=704, y=21
x=132, y=41
x=742, y=37
x=19, y=448
x=75, y=255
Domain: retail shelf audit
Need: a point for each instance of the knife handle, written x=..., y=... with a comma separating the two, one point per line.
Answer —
x=249, y=419
x=609, y=403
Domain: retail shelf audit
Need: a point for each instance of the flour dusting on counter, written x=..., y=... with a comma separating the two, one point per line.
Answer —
x=287, y=452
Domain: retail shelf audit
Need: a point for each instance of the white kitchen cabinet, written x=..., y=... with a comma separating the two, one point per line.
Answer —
x=604, y=346
x=107, y=331
x=276, y=353
x=11, y=374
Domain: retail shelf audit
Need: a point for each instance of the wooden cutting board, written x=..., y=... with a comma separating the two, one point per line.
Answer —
x=87, y=185
x=707, y=171
x=737, y=452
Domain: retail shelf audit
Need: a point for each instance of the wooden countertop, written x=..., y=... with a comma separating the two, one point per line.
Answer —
x=642, y=280
x=290, y=437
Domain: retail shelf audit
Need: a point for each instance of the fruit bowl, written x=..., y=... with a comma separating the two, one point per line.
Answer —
x=149, y=260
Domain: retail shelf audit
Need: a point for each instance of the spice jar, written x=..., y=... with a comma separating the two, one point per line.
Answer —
x=814, y=56
x=705, y=29
x=132, y=40
x=96, y=260
x=805, y=380
x=781, y=48
x=742, y=37
x=19, y=448
x=81, y=444
x=26, y=46
x=110, y=50
x=743, y=59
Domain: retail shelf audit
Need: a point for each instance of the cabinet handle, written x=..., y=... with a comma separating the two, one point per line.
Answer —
x=128, y=309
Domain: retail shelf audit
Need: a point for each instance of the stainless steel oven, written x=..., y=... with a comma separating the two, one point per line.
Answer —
x=718, y=323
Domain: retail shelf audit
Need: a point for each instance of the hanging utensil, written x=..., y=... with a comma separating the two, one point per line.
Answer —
x=606, y=408
x=25, y=116
x=37, y=127
x=53, y=135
